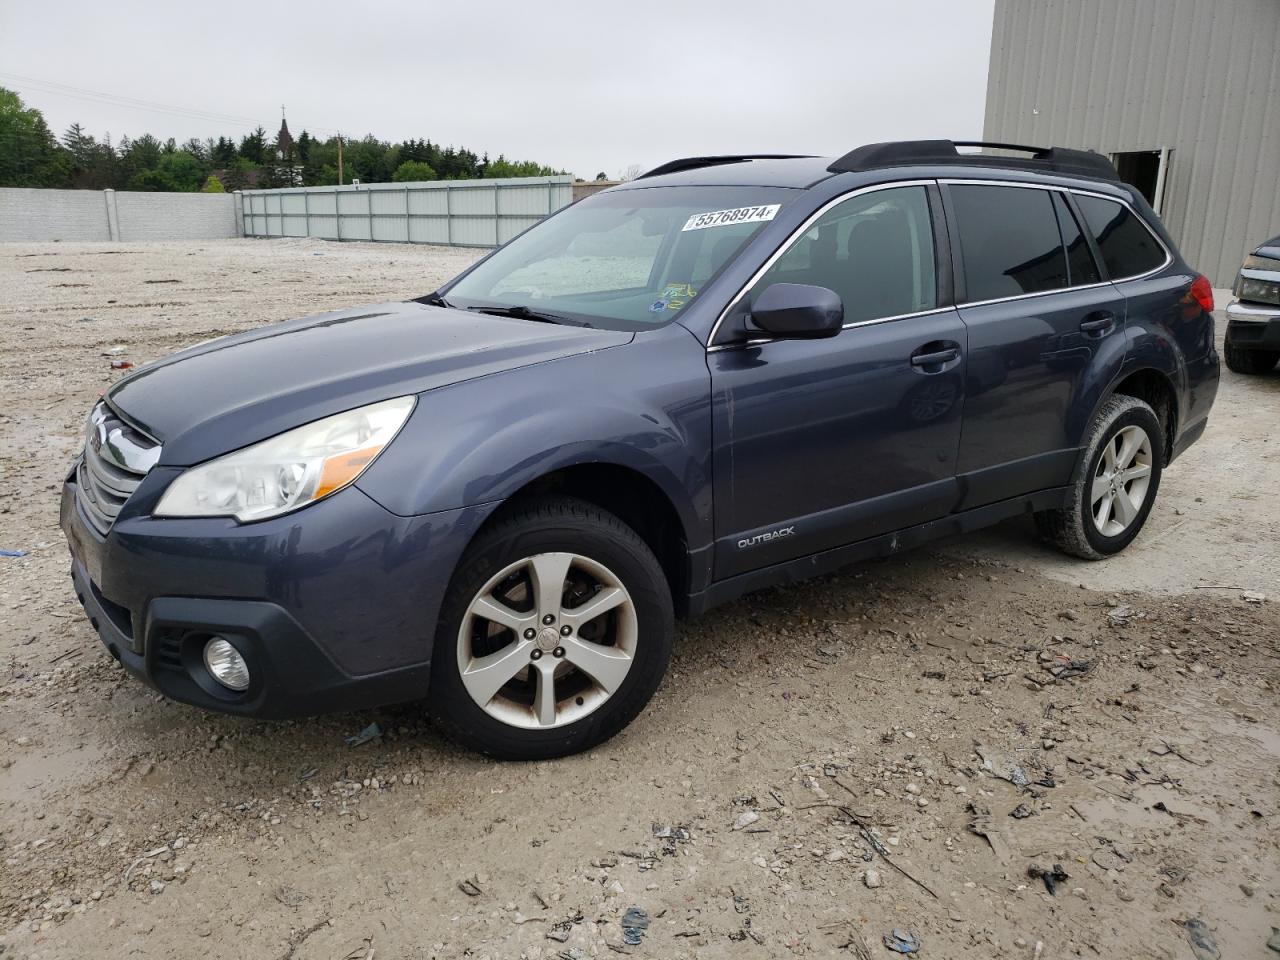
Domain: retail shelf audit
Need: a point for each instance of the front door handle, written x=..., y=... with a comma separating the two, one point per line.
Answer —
x=934, y=358
x=1100, y=322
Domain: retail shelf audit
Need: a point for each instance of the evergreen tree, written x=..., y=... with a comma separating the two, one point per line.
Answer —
x=80, y=144
x=254, y=147
x=223, y=154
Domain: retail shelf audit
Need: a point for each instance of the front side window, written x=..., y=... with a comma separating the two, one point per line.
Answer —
x=875, y=250
x=1009, y=241
x=1127, y=247
x=622, y=260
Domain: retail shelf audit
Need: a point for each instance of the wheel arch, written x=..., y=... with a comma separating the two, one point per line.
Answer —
x=633, y=497
x=1155, y=388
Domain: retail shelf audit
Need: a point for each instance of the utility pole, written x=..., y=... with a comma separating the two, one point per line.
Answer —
x=339, y=158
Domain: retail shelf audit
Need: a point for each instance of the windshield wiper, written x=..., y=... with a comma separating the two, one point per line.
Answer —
x=434, y=300
x=521, y=312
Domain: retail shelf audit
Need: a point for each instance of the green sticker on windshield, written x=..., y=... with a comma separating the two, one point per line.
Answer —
x=678, y=294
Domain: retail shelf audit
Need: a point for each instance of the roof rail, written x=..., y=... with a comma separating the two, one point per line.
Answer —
x=693, y=163
x=1084, y=163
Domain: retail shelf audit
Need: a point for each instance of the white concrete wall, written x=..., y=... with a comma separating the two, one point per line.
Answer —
x=32, y=214
x=176, y=216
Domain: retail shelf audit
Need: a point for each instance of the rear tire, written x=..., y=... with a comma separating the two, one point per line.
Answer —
x=1110, y=500
x=564, y=684
x=1249, y=361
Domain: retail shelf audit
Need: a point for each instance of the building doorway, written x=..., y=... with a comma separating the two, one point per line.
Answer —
x=1145, y=170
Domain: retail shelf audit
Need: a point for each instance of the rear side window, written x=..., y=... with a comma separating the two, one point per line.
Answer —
x=875, y=250
x=1009, y=241
x=1127, y=246
x=1079, y=259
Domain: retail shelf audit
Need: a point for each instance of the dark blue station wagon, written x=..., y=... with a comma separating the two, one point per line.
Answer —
x=729, y=373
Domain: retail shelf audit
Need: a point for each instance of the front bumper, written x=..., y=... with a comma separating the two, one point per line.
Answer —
x=333, y=607
x=1253, y=326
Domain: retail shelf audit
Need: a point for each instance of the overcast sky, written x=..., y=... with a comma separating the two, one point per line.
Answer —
x=587, y=87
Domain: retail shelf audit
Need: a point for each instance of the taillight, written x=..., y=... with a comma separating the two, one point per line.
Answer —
x=1202, y=292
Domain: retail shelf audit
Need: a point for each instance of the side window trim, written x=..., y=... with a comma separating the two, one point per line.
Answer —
x=1095, y=255
x=944, y=268
x=1168, y=254
x=794, y=237
x=1083, y=226
x=959, y=283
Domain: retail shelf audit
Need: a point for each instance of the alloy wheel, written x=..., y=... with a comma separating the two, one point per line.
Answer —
x=547, y=640
x=1121, y=482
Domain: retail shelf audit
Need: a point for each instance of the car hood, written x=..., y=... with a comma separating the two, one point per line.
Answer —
x=1270, y=248
x=224, y=394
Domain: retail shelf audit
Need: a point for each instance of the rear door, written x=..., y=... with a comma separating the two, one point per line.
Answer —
x=1039, y=318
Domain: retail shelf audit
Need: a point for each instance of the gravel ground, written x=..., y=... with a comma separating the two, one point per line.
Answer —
x=824, y=764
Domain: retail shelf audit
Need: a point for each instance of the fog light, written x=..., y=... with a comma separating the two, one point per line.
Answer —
x=226, y=665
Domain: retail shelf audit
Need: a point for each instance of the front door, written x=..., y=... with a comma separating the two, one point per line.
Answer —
x=820, y=443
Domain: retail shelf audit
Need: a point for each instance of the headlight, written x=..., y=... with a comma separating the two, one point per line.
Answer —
x=1261, y=291
x=288, y=471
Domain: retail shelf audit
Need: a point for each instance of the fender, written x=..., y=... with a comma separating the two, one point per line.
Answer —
x=644, y=405
x=1175, y=337
x=1148, y=355
x=1171, y=339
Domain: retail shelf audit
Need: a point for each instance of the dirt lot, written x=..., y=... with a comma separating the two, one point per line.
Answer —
x=824, y=763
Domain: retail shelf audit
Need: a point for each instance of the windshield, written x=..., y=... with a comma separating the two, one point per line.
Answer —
x=624, y=260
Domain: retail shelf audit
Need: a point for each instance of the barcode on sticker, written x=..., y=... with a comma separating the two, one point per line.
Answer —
x=722, y=218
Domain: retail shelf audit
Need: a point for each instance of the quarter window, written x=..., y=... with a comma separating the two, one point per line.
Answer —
x=1128, y=248
x=1009, y=241
x=875, y=250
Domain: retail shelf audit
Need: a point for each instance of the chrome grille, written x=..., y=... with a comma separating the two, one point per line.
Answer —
x=116, y=458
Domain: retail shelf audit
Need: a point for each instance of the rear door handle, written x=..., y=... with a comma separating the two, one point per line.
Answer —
x=1100, y=322
x=937, y=357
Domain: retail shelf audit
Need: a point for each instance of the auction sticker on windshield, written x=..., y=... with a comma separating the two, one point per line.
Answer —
x=722, y=218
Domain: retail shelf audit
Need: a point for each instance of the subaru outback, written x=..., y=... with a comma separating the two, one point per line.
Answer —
x=729, y=373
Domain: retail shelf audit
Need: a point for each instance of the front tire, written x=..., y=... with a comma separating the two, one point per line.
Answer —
x=1249, y=361
x=1116, y=484
x=555, y=632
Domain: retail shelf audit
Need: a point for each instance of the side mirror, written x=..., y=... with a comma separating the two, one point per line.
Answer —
x=798, y=311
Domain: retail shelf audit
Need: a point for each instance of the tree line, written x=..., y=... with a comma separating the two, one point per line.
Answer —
x=31, y=156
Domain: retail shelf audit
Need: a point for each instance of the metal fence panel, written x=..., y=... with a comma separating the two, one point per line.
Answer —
x=429, y=215
x=293, y=210
x=472, y=213
x=353, y=211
